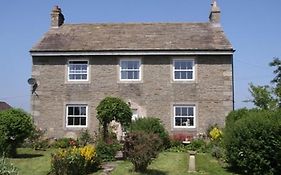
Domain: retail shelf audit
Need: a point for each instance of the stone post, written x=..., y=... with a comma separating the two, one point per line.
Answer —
x=191, y=166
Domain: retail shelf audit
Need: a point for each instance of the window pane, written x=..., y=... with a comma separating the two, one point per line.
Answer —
x=177, y=121
x=136, y=74
x=177, y=75
x=124, y=64
x=136, y=65
x=184, y=111
x=76, y=111
x=84, y=76
x=183, y=64
x=190, y=111
x=71, y=76
x=84, y=67
x=189, y=64
x=70, y=121
x=124, y=75
x=183, y=75
x=178, y=111
x=77, y=121
x=130, y=64
x=70, y=110
x=191, y=121
x=189, y=74
x=130, y=75
x=83, y=121
x=184, y=121
x=177, y=64
x=83, y=111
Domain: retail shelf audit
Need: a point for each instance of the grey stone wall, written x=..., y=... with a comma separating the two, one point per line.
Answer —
x=154, y=95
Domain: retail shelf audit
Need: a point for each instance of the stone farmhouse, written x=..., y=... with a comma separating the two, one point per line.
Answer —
x=181, y=73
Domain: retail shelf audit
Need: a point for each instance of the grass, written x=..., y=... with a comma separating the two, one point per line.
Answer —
x=31, y=162
x=169, y=163
x=206, y=164
x=166, y=163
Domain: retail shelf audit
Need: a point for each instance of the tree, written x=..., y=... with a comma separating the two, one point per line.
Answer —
x=113, y=108
x=268, y=97
x=277, y=79
x=15, y=126
x=263, y=97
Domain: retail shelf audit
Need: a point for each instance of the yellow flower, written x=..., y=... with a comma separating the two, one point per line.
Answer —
x=215, y=133
x=88, y=152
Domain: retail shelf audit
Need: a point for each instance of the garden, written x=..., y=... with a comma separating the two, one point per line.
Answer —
x=250, y=143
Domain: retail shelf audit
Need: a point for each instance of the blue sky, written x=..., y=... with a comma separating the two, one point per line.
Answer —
x=252, y=26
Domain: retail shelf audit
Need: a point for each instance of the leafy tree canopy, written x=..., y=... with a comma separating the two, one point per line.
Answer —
x=268, y=97
x=113, y=108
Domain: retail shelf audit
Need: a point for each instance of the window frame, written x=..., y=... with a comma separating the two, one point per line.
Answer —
x=194, y=116
x=193, y=69
x=68, y=71
x=120, y=69
x=67, y=116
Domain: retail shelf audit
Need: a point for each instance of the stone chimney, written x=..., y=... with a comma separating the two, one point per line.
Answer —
x=215, y=14
x=57, y=17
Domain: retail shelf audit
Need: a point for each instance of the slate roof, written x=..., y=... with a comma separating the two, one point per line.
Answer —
x=4, y=106
x=134, y=36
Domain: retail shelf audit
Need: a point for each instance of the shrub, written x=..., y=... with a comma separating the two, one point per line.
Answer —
x=141, y=148
x=154, y=126
x=64, y=143
x=198, y=145
x=107, y=151
x=233, y=116
x=85, y=138
x=74, y=161
x=6, y=168
x=253, y=142
x=36, y=140
x=112, y=108
x=217, y=152
x=15, y=126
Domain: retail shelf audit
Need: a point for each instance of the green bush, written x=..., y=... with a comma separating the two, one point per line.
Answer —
x=64, y=143
x=6, y=168
x=218, y=152
x=154, y=126
x=141, y=148
x=85, y=138
x=36, y=140
x=15, y=126
x=113, y=108
x=233, y=116
x=107, y=151
x=198, y=145
x=253, y=142
x=74, y=161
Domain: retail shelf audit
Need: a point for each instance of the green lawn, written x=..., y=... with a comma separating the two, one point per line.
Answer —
x=169, y=163
x=30, y=162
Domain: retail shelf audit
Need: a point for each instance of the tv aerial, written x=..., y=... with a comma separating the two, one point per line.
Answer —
x=33, y=83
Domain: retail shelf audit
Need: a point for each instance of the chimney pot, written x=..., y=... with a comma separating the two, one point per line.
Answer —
x=57, y=18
